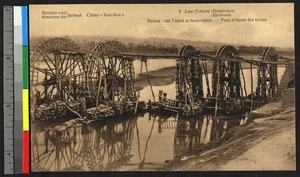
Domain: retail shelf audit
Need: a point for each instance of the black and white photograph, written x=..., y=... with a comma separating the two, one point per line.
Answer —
x=162, y=87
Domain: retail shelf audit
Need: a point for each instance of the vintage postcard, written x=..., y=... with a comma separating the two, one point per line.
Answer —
x=162, y=87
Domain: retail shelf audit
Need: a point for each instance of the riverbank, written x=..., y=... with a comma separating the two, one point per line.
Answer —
x=267, y=143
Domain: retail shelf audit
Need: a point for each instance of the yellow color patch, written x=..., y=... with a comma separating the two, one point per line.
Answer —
x=25, y=110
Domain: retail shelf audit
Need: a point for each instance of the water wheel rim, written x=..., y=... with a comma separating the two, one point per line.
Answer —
x=43, y=64
x=115, y=72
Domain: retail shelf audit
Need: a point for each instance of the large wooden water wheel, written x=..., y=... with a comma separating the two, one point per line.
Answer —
x=226, y=74
x=110, y=76
x=267, y=75
x=56, y=71
x=189, y=86
x=226, y=83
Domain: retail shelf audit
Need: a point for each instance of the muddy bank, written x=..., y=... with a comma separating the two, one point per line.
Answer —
x=248, y=147
x=265, y=142
x=158, y=77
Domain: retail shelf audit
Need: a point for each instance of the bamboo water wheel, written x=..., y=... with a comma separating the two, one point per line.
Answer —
x=110, y=76
x=267, y=75
x=226, y=74
x=189, y=85
x=56, y=71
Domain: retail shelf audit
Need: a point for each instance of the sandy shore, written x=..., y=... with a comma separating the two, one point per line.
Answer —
x=267, y=143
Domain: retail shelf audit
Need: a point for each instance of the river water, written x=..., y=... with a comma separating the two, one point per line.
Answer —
x=141, y=142
x=171, y=92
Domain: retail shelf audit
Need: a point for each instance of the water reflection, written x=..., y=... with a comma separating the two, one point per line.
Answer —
x=84, y=147
x=187, y=135
x=196, y=131
x=143, y=142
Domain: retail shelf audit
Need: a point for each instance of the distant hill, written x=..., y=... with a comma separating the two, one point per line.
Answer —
x=200, y=45
x=154, y=44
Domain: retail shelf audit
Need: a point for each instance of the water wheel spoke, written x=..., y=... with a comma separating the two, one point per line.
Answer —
x=44, y=54
x=51, y=91
x=47, y=82
x=68, y=92
x=42, y=94
x=44, y=71
x=50, y=68
x=103, y=61
x=112, y=69
x=63, y=68
x=66, y=67
x=73, y=69
x=120, y=68
x=114, y=62
x=62, y=60
x=57, y=56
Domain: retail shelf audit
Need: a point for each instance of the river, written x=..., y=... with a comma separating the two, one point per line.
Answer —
x=127, y=143
x=143, y=142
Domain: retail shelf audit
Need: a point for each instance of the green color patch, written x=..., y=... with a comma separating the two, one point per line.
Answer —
x=25, y=67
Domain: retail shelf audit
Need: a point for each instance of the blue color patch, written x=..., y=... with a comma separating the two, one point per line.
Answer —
x=24, y=26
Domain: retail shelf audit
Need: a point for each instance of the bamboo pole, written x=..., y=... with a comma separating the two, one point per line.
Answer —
x=33, y=97
x=99, y=85
x=185, y=84
x=105, y=89
x=189, y=90
x=251, y=74
x=149, y=81
x=206, y=78
x=218, y=89
x=125, y=81
x=113, y=73
x=69, y=94
x=72, y=110
x=244, y=81
x=137, y=99
x=57, y=73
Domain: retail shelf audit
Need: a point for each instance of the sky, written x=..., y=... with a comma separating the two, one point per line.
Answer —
x=277, y=31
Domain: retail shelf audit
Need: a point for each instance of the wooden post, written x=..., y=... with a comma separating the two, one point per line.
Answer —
x=218, y=89
x=105, y=94
x=113, y=72
x=33, y=97
x=75, y=88
x=57, y=73
x=137, y=99
x=45, y=86
x=185, y=83
x=125, y=80
x=132, y=78
x=69, y=89
x=99, y=85
x=251, y=87
x=204, y=65
x=149, y=80
x=243, y=80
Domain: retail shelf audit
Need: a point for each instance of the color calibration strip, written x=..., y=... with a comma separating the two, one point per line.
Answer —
x=21, y=120
x=25, y=90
